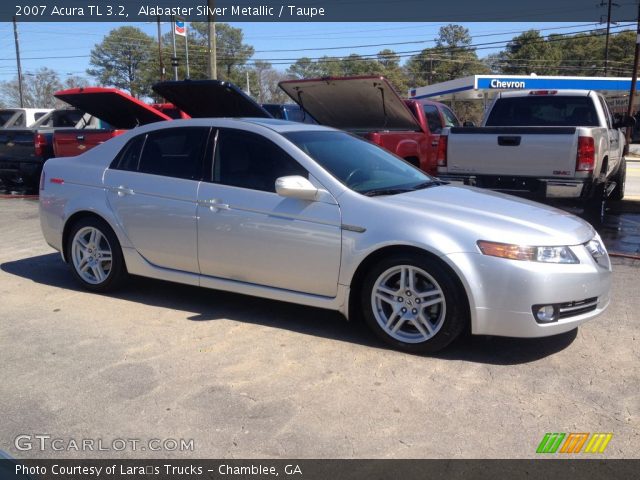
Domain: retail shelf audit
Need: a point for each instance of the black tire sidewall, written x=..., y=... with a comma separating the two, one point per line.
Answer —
x=118, y=270
x=457, y=314
x=620, y=178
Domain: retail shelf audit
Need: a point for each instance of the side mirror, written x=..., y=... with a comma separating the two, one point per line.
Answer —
x=623, y=121
x=296, y=186
x=468, y=124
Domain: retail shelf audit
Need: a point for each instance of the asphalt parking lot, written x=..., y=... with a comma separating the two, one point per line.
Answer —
x=251, y=378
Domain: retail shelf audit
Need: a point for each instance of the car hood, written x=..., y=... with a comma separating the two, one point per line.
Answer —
x=119, y=109
x=353, y=103
x=210, y=99
x=495, y=216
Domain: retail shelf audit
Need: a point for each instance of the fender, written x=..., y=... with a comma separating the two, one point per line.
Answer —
x=97, y=204
x=408, y=148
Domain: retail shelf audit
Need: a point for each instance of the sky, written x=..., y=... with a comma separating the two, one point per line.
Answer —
x=41, y=43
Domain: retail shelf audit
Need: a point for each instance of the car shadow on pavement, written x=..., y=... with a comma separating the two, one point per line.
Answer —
x=212, y=305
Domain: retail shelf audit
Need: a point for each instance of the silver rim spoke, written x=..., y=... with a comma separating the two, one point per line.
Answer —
x=91, y=255
x=408, y=304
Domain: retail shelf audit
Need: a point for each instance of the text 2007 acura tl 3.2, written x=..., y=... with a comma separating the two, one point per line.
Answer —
x=312, y=215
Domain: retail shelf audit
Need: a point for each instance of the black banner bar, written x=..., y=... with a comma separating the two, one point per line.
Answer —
x=543, y=469
x=313, y=10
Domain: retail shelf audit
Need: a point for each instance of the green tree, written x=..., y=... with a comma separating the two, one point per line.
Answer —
x=529, y=53
x=390, y=67
x=305, y=68
x=621, y=52
x=452, y=57
x=123, y=60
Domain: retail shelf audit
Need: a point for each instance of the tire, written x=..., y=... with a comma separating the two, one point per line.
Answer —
x=620, y=178
x=89, y=242
x=397, y=313
x=593, y=203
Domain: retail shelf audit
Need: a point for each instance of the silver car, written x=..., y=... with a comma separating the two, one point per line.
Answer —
x=316, y=216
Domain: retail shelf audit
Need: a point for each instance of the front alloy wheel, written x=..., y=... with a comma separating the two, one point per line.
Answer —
x=408, y=304
x=414, y=303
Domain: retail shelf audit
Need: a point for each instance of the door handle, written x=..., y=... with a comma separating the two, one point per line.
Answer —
x=434, y=143
x=509, y=141
x=214, y=204
x=122, y=191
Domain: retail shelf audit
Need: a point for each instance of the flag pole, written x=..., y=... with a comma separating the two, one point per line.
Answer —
x=186, y=47
x=175, y=56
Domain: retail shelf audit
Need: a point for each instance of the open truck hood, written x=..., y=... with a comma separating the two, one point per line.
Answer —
x=352, y=103
x=210, y=99
x=115, y=107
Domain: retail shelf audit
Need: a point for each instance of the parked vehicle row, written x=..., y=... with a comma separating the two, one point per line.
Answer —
x=21, y=117
x=24, y=150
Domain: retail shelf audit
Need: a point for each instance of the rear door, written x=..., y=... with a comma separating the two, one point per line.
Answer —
x=249, y=233
x=152, y=187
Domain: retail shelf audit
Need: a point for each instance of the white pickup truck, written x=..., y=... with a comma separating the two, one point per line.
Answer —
x=540, y=143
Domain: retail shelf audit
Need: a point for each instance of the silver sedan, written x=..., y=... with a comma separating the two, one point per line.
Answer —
x=316, y=216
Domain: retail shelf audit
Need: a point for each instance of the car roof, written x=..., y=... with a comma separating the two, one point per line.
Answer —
x=280, y=126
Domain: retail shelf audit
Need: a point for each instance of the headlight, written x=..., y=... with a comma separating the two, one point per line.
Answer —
x=525, y=252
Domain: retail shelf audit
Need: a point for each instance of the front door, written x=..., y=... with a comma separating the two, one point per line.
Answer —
x=248, y=233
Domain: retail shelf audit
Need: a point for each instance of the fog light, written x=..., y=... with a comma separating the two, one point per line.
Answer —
x=546, y=314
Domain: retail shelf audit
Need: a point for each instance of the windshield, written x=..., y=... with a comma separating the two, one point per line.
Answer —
x=360, y=165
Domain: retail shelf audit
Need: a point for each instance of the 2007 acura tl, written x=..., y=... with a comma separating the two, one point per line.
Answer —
x=316, y=216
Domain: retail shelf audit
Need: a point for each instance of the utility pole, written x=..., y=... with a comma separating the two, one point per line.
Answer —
x=211, y=41
x=15, y=36
x=634, y=74
x=248, y=90
x=606, y=42
x=160, y=51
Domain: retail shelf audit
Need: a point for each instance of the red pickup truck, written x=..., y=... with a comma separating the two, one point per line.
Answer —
x=371, y=108
x=119, y=109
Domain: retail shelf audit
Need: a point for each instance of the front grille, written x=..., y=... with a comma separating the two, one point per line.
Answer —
x=572, y=309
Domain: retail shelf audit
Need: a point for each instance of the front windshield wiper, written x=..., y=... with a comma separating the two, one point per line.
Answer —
x=428, y=184
x=396, y=190
x=385, y=191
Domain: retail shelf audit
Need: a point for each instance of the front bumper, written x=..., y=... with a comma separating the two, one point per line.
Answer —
x=502, y=292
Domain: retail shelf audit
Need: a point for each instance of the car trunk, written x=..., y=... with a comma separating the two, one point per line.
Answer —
x=357, y=104
x=120, y=110
x=210, y=99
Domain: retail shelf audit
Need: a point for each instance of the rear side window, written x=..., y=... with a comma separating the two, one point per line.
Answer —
x=129, y=156
x=19, y=121
x=543, y=111
x=433, y=118
x=174, y=152
x=605, y=109
x=450, y=120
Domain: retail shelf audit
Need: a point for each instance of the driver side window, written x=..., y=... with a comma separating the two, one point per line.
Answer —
x=247, y=160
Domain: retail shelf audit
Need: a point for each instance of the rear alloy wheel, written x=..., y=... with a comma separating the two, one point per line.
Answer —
x=413, y=304
x=95, y=256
